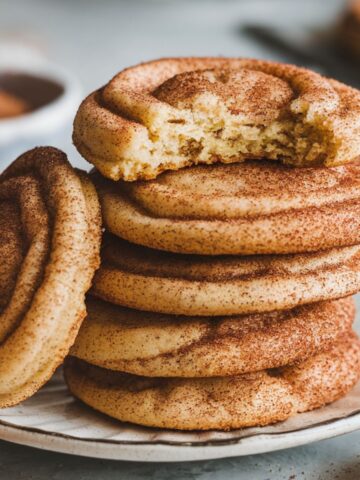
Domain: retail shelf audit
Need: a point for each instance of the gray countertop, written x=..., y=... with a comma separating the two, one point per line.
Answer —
x=337, y=458
x=94, y=40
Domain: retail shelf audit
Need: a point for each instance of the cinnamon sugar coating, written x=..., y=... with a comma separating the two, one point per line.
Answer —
x=175, y=112
x=156, y=345
x=223, y=403
x=49, y=250
x=245, y=208
x=145, y=279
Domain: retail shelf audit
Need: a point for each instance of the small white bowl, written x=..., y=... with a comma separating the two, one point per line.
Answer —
x=31, y=128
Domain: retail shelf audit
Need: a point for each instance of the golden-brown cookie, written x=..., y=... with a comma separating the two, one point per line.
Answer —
x=170, y=113
x=156, y=345
x=151, y=280
x=220, y=402
x=49, y=250
x=249, y=208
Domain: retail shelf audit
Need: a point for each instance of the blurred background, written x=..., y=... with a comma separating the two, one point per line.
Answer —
x=79, y=44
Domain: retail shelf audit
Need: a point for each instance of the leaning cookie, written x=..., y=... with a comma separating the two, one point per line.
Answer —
x=49, y=250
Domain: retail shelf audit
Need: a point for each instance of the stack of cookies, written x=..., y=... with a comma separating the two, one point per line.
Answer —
x=223, y=296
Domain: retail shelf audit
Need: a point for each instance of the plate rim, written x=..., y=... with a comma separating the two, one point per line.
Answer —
x=159, y=451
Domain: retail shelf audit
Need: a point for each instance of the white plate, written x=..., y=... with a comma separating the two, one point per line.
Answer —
x=34, y=128
x=53, y=420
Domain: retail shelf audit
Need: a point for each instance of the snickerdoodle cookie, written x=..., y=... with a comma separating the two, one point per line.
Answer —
x=175, y=112
x=221, y=403
x=245, y=208
x=146, y=279
x=49, y=250
x=158, y=345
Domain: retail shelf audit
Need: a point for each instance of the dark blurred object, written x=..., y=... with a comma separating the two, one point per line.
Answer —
x=349, y=30
x=277, y=41
x=320, y=52
x=21, y=93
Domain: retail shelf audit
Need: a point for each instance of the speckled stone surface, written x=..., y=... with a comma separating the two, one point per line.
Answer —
x=335, y=459
x=67, y=32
